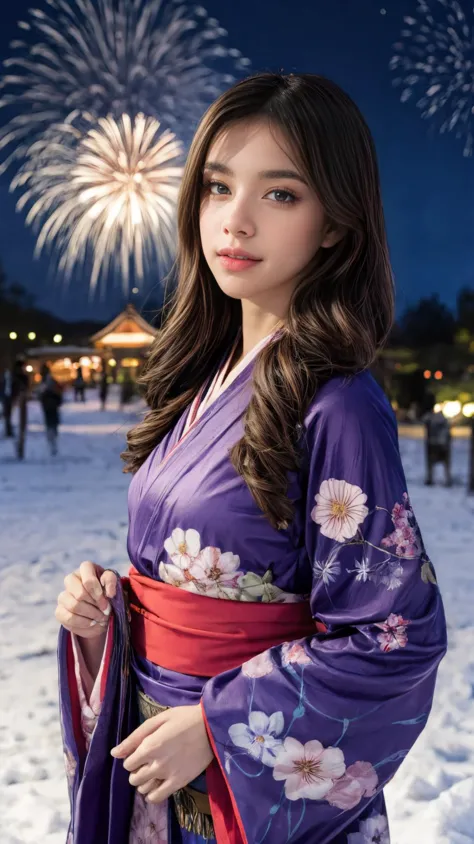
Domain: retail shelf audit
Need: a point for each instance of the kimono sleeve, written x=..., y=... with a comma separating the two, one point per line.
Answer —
x=308, y=733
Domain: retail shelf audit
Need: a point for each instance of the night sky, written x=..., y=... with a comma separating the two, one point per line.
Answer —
x=428, y=185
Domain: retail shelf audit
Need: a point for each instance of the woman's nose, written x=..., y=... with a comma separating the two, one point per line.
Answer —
x=238, y=222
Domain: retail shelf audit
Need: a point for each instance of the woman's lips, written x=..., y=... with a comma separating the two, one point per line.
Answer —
x=237, y=265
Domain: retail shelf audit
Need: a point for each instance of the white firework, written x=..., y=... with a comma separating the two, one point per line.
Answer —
x=164, y=58
x=434, y=61
x=76, y=90
x=109, y=195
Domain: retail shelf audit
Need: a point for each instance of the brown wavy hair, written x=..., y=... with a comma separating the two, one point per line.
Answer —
x=341, y=310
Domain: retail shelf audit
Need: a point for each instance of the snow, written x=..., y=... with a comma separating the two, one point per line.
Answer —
x=56, y=512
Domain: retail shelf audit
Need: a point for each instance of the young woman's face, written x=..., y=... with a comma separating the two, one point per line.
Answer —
x=256, y=204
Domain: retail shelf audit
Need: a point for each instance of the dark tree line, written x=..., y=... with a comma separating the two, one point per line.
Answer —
x=431, y=323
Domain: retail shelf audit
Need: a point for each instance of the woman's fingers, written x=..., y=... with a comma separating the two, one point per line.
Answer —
x=78, y=624
x=162, y=791
x=80, y=608
x=151, y=785
x=144, y=774
x=109, y=583
x=89, y=574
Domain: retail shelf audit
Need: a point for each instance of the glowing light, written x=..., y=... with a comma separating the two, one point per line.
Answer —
x=438, y=408
x=67, y=362
x=29, y=368
x=85, y=361
x=32, y=335
x=468, y=409
x=451, y=409
x=434, y=63
x=13, y=335
x=135, y=290
x=438, y=375
x=127, y=338
x=57, y=338
x=112, y=362
x=427, y=373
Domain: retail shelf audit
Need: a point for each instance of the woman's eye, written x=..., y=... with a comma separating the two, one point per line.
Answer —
x=217, y=188
x=283, y=196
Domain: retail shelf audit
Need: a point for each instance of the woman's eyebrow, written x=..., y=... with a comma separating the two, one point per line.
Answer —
x=218, y=167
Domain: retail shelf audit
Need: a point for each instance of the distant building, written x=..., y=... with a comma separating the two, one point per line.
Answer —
x=122, y=344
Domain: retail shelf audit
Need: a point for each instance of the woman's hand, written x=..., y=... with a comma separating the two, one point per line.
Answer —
x=166, y=752
x=83, y=608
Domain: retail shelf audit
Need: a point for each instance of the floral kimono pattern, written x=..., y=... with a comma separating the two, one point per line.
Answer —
x=308, y=732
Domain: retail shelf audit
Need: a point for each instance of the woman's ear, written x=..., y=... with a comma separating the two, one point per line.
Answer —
x=333, y=235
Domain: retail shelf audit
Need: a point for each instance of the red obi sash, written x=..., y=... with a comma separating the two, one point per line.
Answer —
x=201, y=636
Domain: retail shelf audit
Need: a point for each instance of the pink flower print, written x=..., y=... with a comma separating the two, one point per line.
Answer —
x=340, y=509
x=400, y=515
x=294, y=653
x=360, y=780
x=394, y=635
x=217, y=574
x=149, y=823
x=258, y=666
x=405, y=538
x=309, y=770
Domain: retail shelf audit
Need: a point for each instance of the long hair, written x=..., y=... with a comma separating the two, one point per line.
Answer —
x=341, y=310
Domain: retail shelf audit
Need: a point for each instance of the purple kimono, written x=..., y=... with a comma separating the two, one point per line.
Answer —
x=308, y=732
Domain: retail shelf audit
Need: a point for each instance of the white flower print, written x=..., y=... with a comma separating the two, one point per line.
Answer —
x=374, y=830
x=363, y=570
x=326, y=571
x=340, y=509
x=175, y=576
x=258, y=666
x=259, y=736
x=214, y=573
x=391, y=575
x=217, y=573
x=183, y=546
x=309, y=770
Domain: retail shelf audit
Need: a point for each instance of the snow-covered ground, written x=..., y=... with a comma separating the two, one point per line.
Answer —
x=56, y=512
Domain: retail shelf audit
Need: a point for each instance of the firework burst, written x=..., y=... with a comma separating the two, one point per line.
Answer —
x=434, y=61
x=87, y=89
x=109, y=195
x=162, y=58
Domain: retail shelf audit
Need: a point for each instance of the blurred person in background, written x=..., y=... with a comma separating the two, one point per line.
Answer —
x=79, y=386
x=20, y=395
x=103, y=386
x=50, y=395
x=437, y=441
x=6, y=395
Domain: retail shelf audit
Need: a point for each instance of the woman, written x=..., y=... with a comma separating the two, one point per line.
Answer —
x=286, y=625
